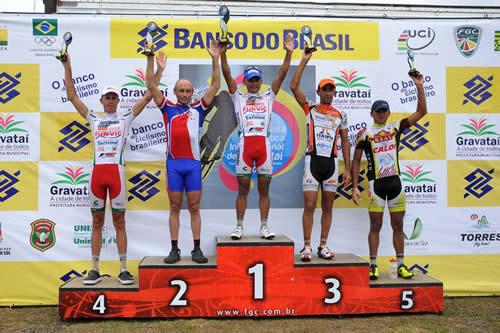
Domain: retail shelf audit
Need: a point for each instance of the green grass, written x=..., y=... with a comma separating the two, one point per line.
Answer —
x=464, y=314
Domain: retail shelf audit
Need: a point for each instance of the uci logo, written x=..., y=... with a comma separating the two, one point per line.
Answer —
x=144, y=185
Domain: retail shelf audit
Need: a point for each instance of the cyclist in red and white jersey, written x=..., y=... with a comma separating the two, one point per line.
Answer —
x=253, y=111
x=325, y=125
x=109, y=130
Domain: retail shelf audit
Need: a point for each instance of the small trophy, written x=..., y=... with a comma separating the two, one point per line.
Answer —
x=149, y=48
x=224, y=18
x=307, y=32
x=411, y=59
x=62, y=55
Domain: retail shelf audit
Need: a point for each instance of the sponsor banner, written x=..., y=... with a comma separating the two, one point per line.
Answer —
x=19, y=88
x=472, y=90
x=86, y=86
x=404, y=93
x=473, y=137
x=479, y=231
x=423, y=183
x=146, y=186
x=4, y=38
x=46, y=41
x=343, y=198
x=18, y=186
x=473, y=183
x=419, y=39
x=467, y=38
x=66, y=136
x=340, y=40
x=19, y=137
x=354, y=90
x=426, y=140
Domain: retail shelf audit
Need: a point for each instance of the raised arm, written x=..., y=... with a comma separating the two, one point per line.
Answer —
x=226, y=71
x=71, y=91
x=214, y=52
x=295, y=83
x=421, y=104
x=288, y=44
x=153, y=80
x=141, y=104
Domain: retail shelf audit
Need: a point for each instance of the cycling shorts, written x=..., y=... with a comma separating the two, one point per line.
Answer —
x=320, y=171
x=104, y=179
x=390, y=189
x=183, y=174
x=254, y=149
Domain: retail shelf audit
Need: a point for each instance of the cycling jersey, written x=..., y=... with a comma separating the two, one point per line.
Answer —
x=110, y=131
x=253, y=112
x=381, y=143
x=323, y=126
x=183, y=124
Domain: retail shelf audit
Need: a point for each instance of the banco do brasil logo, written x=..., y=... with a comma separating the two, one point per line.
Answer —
x=478, y=183
x=346, y=190
x=414, y=138
x=7, y=182
x=144, y=185
x=477, y=92
x=157, y=35
x=74, y=136
x=8, y=84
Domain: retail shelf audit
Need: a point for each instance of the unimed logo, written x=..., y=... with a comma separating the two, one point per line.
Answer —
x=7, y=182
x=8, y=84
x=144, y=185
x=158, y=40
x=478, y=183
x=414, y=138
x=477, y=92
x=74, y=137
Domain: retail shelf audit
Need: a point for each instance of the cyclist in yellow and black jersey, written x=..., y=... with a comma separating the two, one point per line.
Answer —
x=380, y=142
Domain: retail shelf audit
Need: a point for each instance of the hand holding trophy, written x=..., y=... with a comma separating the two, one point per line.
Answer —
x=62, y=55
x=413, y=72
x=149, y=48
x=307, y=32
x=224, y=18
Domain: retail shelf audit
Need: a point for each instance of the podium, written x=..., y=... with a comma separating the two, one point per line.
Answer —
x=251, y=277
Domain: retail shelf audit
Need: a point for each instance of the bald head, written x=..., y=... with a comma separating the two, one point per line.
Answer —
x=183, y=90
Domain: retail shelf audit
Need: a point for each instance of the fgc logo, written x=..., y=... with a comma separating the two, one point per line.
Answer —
x=478, y=183
x=144, y=185
x=414, y=138
x=74, y=136
x=8, y=84
x=7, y=182
x=477, y=92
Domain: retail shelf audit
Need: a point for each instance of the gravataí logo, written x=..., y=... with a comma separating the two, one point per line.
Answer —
x=42, y=235
x=478, y=127
x=72, y=177
x=415, y=137
x=349, y=78
x=9, y=125
x=144, y=185
x=415, y=174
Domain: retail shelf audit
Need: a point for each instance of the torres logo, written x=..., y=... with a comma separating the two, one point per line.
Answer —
x=146, y=186
x=467, y=38
x=14, y=139
x=480, y=232
x=43, y=235
x=19, y=88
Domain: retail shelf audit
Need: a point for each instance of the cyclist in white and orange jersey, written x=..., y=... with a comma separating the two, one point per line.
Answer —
x=253, y=111
x=325, y=124
x=380, y=142
x=109, y=130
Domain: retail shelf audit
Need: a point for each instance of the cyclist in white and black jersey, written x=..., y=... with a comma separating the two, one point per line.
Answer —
x=325, y=124
x=109, y=130
x=253, y=111
x=380, y=142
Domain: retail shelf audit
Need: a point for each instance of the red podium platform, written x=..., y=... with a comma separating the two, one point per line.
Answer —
x=251, y=277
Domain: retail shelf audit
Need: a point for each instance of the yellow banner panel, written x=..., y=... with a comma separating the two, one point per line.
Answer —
x=18, y=186
x=251, y=39
x=19, y=88
x=146, y=186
